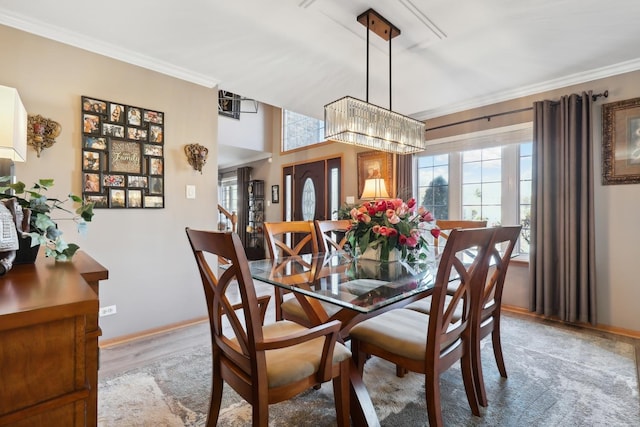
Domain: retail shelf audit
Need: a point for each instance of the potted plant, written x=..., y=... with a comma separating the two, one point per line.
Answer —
x=43, y=227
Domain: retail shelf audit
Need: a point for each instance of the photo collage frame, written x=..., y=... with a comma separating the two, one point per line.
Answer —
x=122, y=155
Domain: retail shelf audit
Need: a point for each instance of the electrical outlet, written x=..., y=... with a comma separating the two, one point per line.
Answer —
x=108, y=310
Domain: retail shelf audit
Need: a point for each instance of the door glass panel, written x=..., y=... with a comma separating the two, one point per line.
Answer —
x=308, y=200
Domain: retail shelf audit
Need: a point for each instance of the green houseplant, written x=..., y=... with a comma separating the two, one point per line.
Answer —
x=43, y=227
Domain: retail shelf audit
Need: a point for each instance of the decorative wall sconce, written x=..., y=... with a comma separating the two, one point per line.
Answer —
x=42, y=132
x=196, y=155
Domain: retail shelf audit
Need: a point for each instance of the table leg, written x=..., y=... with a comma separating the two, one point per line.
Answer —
x=362, y=411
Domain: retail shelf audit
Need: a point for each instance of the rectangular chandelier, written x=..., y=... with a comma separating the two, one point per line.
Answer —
x=352, y=121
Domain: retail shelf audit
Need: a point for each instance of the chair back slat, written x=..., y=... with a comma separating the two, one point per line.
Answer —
x=501, y=255
x=247, y=330
x=446, y=225
x=301, y=234
x=446, y=325
x=332, y=234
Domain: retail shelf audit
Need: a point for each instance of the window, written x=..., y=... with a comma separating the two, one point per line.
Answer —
x=480, y=177
x=482, y=185
x=433, y=184
x=299, y=130
x=526, y=165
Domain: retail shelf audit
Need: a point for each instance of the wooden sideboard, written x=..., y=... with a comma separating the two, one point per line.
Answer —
x=49, y=343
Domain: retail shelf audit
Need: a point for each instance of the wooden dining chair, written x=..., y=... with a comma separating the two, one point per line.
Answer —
x=487, y=321
x=332, y=234
x=264, y=364
x=285, y=239
x=430, y=344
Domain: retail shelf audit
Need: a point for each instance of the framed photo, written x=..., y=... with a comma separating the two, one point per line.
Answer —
x=94, y=105
x=116, y=113
x=275, y=194
x=95, y=143
x=229, y=104
x=91, y=182
x=124, y=156
x=155, y=185
x=621, y=142
x=90, y=123
x=117, y=197
x=155, y=134
x=153, y=117
x=109, y=129
x=155, y=166
x=99, y=200
x=134, y=198
x=153, y=150
x=134, y=116
x=376, y=165
x=153, y=202
x=139, y=181
x=90, y=160
x=137, y=134
x=113, y=181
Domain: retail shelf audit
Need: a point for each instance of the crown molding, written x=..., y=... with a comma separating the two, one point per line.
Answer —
x=106, y=49
x=573, y=79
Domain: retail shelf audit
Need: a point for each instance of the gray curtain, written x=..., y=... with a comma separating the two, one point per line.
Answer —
x=404, y=178
x=244, y=176
x=562, y=265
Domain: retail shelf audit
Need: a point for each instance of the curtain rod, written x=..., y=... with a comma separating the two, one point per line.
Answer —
x=490, y=116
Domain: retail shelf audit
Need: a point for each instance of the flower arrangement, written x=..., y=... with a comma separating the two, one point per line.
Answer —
x=388, y=225
x=44, y=230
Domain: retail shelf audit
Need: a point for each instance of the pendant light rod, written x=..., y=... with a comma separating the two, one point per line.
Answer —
x=385, y=30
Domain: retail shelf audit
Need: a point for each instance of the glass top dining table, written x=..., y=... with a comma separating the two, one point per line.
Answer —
x=361, y=285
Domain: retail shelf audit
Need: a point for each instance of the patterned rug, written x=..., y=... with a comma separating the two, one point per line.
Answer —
x=558, y=375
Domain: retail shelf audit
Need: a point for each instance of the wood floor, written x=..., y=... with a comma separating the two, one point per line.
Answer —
x=139, y=352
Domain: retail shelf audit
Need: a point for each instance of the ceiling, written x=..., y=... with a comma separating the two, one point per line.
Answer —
x=302, y=54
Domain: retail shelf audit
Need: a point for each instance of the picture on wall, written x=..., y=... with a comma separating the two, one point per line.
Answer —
x=621, y=142
x=122, y=155
x=375, y=165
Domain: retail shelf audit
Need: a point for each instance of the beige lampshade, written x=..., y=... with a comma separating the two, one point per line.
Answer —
x=374, y=188
x=13, y=126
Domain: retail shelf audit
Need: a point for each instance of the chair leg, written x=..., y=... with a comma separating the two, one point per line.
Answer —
x=434, y=409
x=341, y=395
x=400, y=371
x=357, y=356
x=216, y=396
x=278, y=303
x=476, y=366
x=497, y=347
x=260, y=412
x=467, y=365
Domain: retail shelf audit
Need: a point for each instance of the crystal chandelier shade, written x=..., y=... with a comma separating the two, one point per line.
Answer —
x=352, y=121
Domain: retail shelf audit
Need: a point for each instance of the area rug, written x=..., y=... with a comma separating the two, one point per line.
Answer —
x=558, y=376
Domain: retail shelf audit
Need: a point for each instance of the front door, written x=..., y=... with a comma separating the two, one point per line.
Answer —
x=309, y=191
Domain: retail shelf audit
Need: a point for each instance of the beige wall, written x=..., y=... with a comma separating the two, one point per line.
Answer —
x=153, y=278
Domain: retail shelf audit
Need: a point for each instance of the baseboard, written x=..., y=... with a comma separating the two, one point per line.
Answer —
x=150, y=332
x=601, y=328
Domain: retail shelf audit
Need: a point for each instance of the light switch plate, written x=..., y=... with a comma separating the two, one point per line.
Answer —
x=191, y=191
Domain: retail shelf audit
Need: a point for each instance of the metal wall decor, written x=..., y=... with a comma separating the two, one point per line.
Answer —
x=122, y=155
x=42, y=132
x=196, y=155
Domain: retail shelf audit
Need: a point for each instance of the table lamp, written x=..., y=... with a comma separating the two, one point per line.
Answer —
x=13, y=131
x=374, y=188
